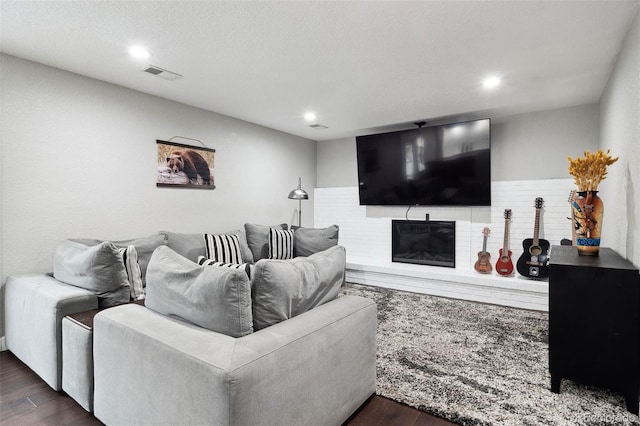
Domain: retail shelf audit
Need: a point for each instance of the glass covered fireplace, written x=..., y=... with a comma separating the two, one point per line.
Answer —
x=424, y=242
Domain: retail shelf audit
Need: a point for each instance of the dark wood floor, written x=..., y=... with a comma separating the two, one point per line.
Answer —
x=25, y=399
x=380, y=411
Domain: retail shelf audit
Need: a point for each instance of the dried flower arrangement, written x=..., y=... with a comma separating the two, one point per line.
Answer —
x=590, y=170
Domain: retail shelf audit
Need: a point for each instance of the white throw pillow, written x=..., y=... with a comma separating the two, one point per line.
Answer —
x=280, y=244
x=134, y=273
x=223, y=248
x=258, y=239
x=203, y=261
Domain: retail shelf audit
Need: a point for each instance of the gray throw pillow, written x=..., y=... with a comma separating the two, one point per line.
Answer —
x=307, y=241
x=144, y=248
x=193, y=246
x=283, y=289
x=212, y=297
x=97, y=268
x=258, y=239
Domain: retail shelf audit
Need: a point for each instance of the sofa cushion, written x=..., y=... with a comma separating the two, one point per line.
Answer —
x=280, y=244
x=99, y=268
x=192, y=246
x=258, y=239
x=307, y=241
x=223, y=248
x=283, y=289
x=144, y=248
x=203, y=261
x=215, y=298
x=188, y=245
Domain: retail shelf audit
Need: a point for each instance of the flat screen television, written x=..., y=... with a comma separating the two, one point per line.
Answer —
x=443, y=165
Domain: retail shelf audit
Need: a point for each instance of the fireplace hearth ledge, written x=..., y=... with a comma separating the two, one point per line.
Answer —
x=514, y=291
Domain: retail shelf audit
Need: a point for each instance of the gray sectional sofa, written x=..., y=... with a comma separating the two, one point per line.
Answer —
x=269, y=344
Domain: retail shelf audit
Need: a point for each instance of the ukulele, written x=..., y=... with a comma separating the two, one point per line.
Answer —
x=574, y=223
x=534, y=259
x=483, y=264
x=504, y=265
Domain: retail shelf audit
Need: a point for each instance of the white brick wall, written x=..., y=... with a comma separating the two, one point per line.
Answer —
x=366, y=231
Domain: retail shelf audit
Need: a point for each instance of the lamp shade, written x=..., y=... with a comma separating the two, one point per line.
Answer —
x=299, y=193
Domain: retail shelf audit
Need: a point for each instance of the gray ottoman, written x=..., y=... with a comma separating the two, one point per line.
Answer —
x=77, y=359
x=34, y=307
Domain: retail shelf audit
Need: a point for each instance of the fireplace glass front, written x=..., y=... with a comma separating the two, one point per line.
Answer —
x=424, y=242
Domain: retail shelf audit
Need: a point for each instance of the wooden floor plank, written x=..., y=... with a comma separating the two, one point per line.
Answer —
x=14, y=407
x=393, y=414
x=25, y=399
x=381, y=411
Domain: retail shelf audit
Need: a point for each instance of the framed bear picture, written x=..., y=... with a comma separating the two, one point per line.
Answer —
x=185, y=166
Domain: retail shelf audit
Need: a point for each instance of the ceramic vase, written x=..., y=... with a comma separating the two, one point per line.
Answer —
x=587, y=210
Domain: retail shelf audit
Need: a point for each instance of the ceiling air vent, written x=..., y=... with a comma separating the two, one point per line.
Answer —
x=318, y=126
x=167, y=75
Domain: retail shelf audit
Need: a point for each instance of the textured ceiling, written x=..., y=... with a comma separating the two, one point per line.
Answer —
x=361, y=66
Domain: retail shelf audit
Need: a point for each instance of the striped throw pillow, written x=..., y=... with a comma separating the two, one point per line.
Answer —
x=203, y=261
x=280, y=244
x=223, y=248
x=134, y=273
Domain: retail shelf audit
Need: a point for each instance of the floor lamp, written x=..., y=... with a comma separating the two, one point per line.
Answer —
x=299, y=194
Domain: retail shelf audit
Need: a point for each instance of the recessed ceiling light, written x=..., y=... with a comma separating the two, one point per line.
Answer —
x=491, y=82
x=309, y=116
x=318, y=126
x=139, y=52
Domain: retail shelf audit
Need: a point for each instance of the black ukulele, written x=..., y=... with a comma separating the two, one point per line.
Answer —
x=534, y=260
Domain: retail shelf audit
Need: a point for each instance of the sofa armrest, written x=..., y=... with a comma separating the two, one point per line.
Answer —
x=152, y=369
x=34, y=307
x=316, y=368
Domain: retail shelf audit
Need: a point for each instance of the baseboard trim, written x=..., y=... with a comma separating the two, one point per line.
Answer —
x=3, y=345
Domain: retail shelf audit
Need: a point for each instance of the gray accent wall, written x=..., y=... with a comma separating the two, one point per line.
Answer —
x=78, y=159
x=337, y=163
x=523, y=147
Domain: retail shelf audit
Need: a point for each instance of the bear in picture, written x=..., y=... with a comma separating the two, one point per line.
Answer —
x=191, y=163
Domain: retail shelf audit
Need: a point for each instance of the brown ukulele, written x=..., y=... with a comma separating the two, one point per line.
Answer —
x=483, y=264
x=504, y=265
x=574, y=223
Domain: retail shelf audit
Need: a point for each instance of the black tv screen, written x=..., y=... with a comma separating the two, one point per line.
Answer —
x=444, y=165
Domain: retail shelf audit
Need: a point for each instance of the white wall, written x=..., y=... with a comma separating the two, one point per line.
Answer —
x=337, y=163
x=523, y=147
x=529, y=159
x=367, y=236
x=79, y=160
x=620, y=132
x=536, y=145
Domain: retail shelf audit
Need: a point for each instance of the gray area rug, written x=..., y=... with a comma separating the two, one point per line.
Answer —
x=477, y=364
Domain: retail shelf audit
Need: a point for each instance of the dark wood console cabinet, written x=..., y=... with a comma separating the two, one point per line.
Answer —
x=594, y=321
